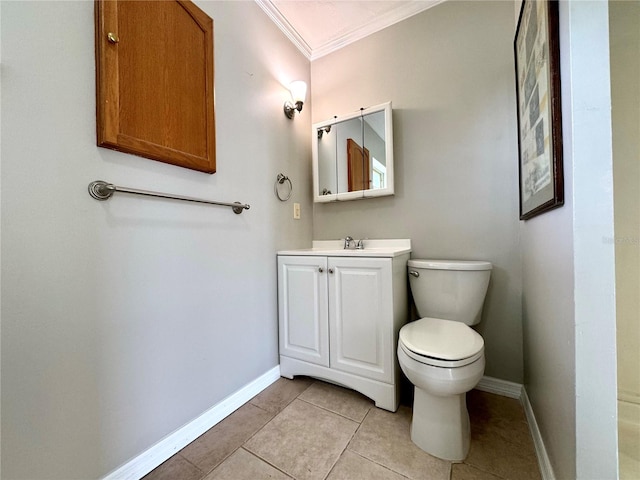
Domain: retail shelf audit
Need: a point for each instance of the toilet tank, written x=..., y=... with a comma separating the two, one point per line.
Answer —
x=449, y=289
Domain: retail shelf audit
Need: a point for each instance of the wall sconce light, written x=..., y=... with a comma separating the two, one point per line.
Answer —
x=298, y=91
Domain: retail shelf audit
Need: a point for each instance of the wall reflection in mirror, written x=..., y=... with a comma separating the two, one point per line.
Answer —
x=353, y=155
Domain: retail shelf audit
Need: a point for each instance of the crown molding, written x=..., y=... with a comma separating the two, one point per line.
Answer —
x=381, y=22
x=283, y=24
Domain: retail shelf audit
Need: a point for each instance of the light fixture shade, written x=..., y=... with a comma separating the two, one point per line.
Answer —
x=298, y=91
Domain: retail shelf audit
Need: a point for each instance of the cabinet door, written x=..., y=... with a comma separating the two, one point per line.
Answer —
x=302, y=308
x=154, y=77
x=361, y=316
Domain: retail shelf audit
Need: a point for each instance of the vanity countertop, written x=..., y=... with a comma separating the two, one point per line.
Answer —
x=372, y=248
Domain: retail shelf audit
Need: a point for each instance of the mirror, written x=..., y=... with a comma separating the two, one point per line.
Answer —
x=353, y=155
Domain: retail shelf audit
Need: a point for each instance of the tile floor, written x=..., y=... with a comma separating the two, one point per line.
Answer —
x=311, y=430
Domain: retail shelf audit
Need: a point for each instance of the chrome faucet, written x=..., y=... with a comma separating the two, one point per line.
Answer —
x=351, y=244
x=347, y=242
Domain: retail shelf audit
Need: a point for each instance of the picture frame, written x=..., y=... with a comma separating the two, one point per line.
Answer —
x=537, y=61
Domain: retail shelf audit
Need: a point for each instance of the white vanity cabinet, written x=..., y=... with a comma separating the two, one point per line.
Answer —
x=339, y=316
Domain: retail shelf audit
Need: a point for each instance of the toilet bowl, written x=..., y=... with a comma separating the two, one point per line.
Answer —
x=443, y=357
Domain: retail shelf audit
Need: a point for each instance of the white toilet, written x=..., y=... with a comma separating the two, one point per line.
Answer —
x=441, y=354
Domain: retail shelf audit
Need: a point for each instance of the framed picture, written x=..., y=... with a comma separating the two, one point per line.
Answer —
x=537, y=56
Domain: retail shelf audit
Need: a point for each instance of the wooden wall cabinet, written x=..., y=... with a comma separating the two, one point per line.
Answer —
x=154, y=81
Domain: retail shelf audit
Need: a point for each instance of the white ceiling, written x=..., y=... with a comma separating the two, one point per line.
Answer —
x=319, y=27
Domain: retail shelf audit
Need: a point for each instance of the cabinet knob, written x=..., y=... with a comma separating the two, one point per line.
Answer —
x=112, y=37
x=331, y=270
x=320, y=269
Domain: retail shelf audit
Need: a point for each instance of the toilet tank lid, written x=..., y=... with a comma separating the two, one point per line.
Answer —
x=449, y=264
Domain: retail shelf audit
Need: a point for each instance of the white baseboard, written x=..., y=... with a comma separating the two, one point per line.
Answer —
x=170, y=445
x=541, y=452
x=500, y=387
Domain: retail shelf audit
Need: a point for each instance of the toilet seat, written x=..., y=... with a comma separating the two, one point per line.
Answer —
x=441, y=343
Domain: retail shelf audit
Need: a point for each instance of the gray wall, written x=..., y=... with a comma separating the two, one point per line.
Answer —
x=124, y=320
x=449, y=72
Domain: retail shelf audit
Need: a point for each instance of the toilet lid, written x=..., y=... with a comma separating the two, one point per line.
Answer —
x=443, y=339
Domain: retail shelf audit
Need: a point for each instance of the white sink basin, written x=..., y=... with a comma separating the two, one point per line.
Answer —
x=372, y=248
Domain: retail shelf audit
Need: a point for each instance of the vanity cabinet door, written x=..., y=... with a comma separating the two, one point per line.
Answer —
x=303, y=309
x=361, y=313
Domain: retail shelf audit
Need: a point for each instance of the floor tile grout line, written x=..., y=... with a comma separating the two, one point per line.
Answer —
x=478, y=467
x=172, y=458
x=312, y=405
x=273, y=415
x=242, y=444
x=336, y=462
x=386, y=467
x=218, y=464
x=260, y=429
x=481, y=469
x=265, y=425
x=288, y=403
x=270, y=412
x=359, y=422
x=257, y=406
x=358, y=429
x=346, y=446
x=255, y=454
x=266, y=461
x=204, y=474
x=362, y=456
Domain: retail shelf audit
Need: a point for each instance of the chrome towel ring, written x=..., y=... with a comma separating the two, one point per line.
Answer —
x=280, y=179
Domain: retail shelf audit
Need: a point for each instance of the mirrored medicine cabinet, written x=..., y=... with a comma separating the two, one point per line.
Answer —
x=353, y=155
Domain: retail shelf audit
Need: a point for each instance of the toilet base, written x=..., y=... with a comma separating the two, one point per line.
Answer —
x=440, y=425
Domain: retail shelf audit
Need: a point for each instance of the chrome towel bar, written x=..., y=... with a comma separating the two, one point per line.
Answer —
x=101, y=190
